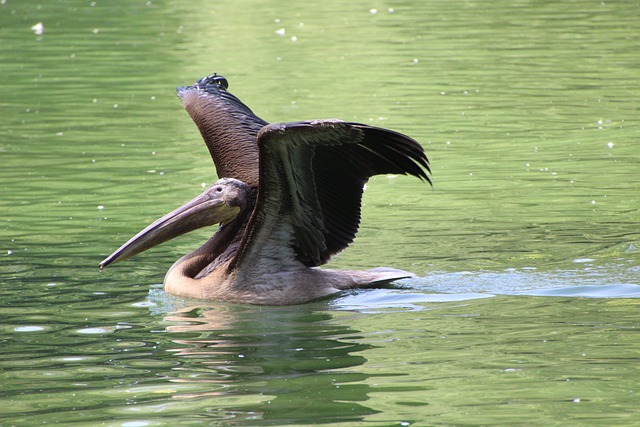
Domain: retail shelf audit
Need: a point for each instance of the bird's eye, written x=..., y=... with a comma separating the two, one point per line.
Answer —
x=218, y=189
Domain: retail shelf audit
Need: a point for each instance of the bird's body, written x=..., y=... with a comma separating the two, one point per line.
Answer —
x=268, y=283
x=290, y=199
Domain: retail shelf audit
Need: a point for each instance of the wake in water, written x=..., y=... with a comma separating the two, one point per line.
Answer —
x=589, y=282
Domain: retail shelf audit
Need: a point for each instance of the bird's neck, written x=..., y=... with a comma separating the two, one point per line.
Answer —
x=212, y=254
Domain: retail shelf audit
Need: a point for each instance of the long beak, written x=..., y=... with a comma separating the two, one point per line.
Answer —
x=204, y=210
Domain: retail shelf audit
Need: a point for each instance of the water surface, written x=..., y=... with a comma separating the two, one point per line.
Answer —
x=524, y=311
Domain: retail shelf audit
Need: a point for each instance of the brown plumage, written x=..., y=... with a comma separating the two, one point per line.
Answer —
x=291, y=199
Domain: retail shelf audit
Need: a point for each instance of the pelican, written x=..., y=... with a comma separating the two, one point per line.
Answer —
x=289, y=198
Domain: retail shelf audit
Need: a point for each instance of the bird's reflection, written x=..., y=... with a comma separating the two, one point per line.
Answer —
x=289, y=364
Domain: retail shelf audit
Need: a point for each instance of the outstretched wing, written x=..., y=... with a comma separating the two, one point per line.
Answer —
x=228, y=127
x=312, y=176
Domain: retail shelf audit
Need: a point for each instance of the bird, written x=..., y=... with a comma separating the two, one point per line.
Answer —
x=288, y=198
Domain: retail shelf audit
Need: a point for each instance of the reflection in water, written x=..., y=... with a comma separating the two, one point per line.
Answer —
x=293, y=361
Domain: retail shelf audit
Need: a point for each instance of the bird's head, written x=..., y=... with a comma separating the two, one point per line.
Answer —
x=219, y=204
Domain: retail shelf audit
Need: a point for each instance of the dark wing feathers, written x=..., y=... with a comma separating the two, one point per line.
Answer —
x=312, y=175
x=393, y=152
x=341, y=175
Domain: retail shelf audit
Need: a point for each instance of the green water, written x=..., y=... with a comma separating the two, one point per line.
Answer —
x=525, y=311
